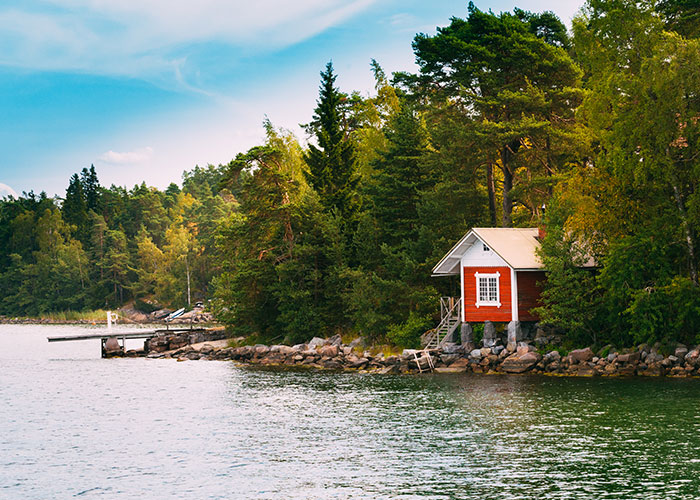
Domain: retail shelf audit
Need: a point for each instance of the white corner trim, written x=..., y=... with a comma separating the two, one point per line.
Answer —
x=515, y=313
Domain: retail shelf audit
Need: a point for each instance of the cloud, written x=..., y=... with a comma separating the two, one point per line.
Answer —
x=149, y=38
x=6, y=190
x=138, y=156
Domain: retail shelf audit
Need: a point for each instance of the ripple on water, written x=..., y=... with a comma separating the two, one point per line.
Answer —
x=75, y=425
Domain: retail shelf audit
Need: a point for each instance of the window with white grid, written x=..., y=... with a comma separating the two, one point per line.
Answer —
x=487, y=289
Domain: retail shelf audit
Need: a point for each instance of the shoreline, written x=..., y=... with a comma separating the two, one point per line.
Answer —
x=331, y=355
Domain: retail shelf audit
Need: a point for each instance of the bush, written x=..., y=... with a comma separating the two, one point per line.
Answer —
x=407, y=334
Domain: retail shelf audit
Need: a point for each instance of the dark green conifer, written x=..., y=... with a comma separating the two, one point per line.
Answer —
x=332, y=171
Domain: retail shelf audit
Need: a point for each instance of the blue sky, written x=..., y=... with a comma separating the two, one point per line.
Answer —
x=144, y=89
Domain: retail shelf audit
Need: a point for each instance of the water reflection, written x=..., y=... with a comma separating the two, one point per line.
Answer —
x=75, y=425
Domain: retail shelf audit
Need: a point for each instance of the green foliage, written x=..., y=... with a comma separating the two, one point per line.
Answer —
x=666, y=313
x=571, y=297
x=332, y=170
x=516, y=89
x=507, y=115
x=408, y=334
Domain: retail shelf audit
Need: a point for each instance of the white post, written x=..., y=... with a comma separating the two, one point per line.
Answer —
x=514, y=312
x=109, y=321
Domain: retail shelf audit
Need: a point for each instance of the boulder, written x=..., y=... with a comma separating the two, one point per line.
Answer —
x=655, y=370
x=329, y=350
x=581, y=355
x=585, y=370
x=466, y=335
x=335, y=340
x=448, y=359
x=653, y=357
x=680, y=352
x=630, y=357
x=451, y=348
x=552, y=356
x=524, y=348
x=286, y=350
x=460, y=363
x=519, y=364
x=515, y=333
x=316, y=342
x=451, y=369
x=476, y=354
x=489, y=334
x=261, y=350
x=112, y=347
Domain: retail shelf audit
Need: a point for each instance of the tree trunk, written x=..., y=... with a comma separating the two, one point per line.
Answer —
x=692, y=264
x=507, y=154
x=689, y=237
x=492, y=193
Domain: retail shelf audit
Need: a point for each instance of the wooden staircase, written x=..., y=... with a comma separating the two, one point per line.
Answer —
x=451, y=312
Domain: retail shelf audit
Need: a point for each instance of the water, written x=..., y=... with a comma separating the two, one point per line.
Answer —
x=73, y=425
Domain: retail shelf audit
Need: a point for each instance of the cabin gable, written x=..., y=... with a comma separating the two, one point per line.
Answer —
x=480, y=254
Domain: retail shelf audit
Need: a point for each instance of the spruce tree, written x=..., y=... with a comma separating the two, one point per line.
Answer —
x=400, y=178
x=91, y=188
x=74, y=209
x=332, y=170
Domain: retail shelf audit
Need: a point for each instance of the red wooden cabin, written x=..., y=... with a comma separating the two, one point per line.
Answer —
x=499, y=271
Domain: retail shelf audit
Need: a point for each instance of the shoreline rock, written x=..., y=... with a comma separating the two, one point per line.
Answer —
x=330, y=354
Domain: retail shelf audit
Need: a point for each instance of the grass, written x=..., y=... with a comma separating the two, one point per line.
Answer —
x=96, y=316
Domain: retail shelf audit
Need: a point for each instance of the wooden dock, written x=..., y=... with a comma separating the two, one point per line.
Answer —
x=104, y=336
x=142, y=334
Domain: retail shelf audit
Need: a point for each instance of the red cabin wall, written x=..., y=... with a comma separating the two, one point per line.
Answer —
x=487, y=313
x=529, y=293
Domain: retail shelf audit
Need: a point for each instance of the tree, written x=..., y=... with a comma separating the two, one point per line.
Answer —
x=511, y=74
x=91, y=188
x=331, y=164
x=682, y=16
x=400, y=177
x=74, y=209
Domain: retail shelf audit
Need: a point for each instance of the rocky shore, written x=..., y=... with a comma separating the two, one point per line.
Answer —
x=331, y=354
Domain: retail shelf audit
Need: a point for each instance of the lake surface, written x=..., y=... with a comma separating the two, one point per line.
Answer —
x=73, y=425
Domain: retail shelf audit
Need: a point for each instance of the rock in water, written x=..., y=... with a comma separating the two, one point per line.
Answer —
x=520, y=364
x=581, y=355
x=112, y=346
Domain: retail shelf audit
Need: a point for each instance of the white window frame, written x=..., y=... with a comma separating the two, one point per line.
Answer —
x=486, y=276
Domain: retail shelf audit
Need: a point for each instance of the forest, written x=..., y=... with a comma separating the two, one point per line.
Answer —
x=511, y=120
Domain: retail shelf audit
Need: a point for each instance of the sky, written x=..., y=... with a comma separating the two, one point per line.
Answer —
x=146, y=89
